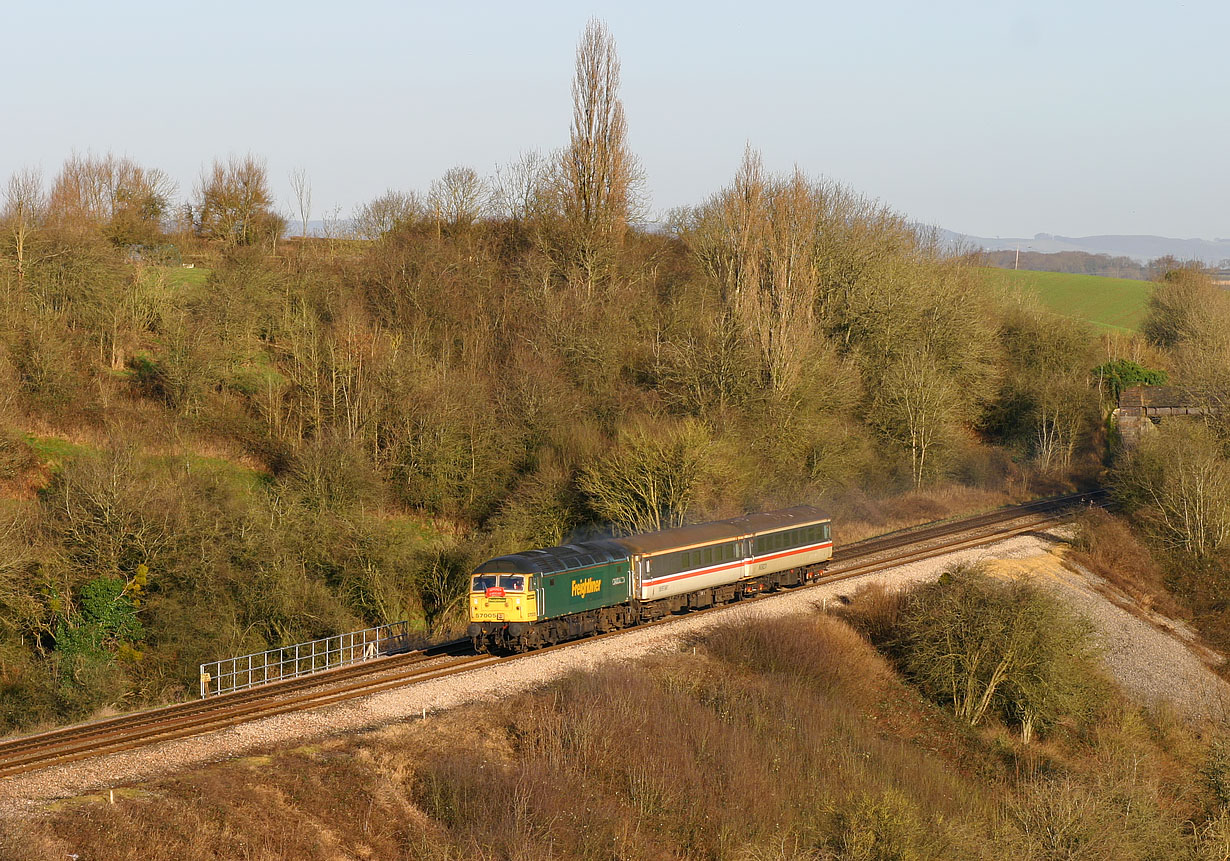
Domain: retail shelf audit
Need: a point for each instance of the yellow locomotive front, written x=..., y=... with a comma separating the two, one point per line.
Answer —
x=502, y=597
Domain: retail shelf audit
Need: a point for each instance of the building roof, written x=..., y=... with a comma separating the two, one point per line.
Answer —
x=1155, y=397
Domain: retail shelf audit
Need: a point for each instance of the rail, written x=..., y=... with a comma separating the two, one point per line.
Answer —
x=302, y=659
x=65, y=745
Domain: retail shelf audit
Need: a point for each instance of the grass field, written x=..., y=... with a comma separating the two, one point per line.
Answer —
x=188, y=277
x=1116, y=304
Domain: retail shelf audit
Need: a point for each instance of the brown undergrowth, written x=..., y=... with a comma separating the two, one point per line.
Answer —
x=784, y=739
x=1106, y=546
x=857, y=516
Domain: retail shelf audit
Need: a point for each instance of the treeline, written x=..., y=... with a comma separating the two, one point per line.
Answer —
x=1084, y=263
x=303, y=436
x=1176, y=484
x=1079, y=262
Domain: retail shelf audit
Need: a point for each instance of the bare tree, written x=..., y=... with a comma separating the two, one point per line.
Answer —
x=110, y=193
x=25, y=207
x=520, y=187
x=601, y=177
x=1061, y=403
x=233, y=202
x=1179, y=482
x=757, y=241
x=386, y=213
x=459, y=198
x=917, y=405
x=650, y=479
x=302, y=189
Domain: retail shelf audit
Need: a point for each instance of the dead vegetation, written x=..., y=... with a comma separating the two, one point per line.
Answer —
x=1106, y=545
x=783, y=739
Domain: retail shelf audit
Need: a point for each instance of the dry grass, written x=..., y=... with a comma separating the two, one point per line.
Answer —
x=784, y=739
x=1106, y=546
x=857, y=516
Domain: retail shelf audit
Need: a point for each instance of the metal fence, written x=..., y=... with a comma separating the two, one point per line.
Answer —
x=301, y=659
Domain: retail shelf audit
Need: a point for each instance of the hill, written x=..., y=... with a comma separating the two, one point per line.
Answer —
x=1139, y=247
x=832, y=750
x=1114, y=304
x=1073, y=261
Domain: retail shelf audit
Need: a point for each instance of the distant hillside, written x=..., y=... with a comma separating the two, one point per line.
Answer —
x=1139, y=248
x=1116, y=304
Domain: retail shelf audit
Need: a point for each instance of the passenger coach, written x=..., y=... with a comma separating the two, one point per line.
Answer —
x=526, y=600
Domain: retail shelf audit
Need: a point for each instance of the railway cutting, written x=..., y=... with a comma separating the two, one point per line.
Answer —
x=144, y=729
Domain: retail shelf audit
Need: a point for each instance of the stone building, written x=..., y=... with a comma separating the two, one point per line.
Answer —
x=1141, y=408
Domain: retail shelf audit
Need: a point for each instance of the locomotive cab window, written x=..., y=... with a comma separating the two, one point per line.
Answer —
x=513, y=582
x=483, y=582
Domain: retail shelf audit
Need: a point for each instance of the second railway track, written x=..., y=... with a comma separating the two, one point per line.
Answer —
x=128, y=732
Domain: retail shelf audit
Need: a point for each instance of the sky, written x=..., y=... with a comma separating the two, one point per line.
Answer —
x=986, y=118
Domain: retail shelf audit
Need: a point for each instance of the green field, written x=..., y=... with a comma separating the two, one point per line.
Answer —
x=1116, y=304
x=188, y=277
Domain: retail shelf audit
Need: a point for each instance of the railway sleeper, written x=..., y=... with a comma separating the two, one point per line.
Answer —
x=516, y=637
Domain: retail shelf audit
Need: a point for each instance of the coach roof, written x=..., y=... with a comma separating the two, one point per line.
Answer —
x=722, y=530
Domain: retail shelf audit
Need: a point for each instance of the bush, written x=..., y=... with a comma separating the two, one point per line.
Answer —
x=986, y=647
x=16, y=456
x=1177, y=484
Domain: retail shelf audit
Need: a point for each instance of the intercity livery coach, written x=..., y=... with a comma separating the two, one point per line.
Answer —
x=535, y=598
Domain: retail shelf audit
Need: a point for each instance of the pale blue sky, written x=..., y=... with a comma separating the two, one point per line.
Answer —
x=987, y=118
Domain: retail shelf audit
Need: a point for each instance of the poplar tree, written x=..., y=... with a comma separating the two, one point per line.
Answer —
x=600, y=176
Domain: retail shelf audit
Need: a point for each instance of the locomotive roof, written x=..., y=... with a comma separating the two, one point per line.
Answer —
x=553, y=559
x=722, y=530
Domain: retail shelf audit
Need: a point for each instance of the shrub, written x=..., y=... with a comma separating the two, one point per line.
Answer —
x=984, y=646
x=16, y=457
x=1119, y=374
x=1177, y=483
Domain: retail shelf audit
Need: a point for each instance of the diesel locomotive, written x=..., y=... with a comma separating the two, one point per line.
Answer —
x=535, y=598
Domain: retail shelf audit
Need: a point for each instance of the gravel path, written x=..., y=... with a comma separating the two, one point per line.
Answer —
x=1143, y=657
x=1155, y=659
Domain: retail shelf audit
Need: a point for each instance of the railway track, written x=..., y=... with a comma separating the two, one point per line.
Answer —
x=139, y=729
